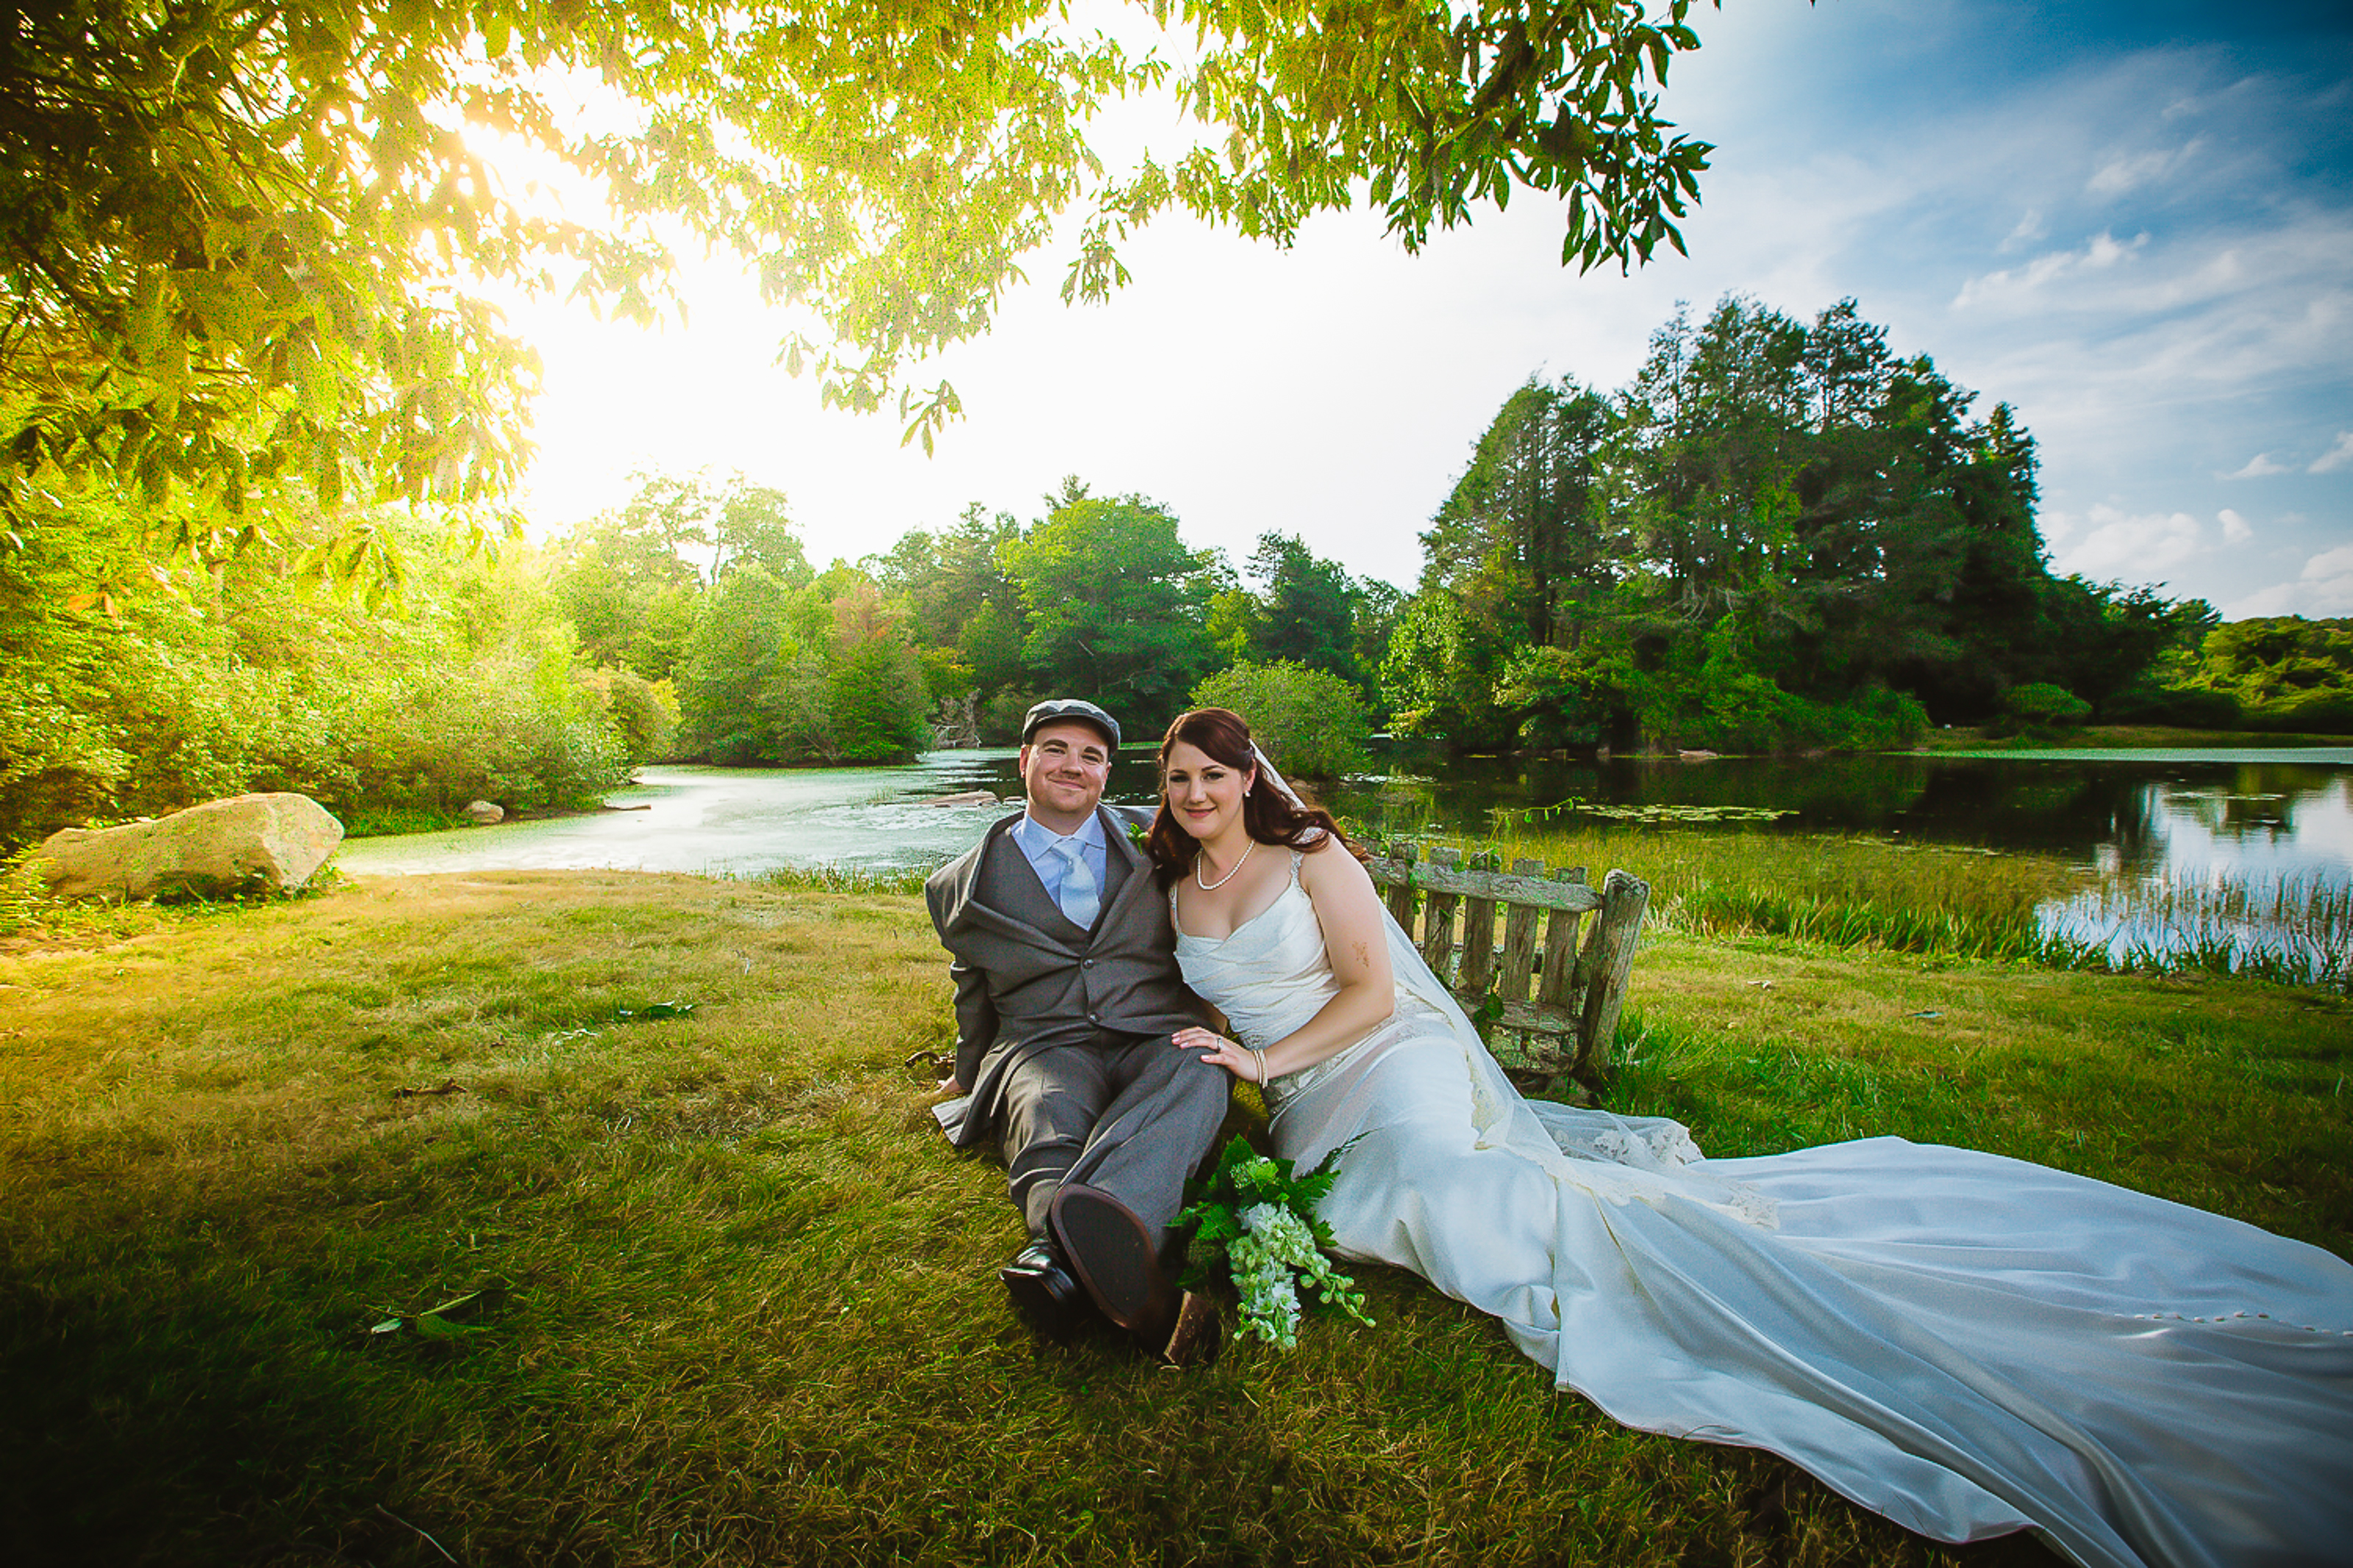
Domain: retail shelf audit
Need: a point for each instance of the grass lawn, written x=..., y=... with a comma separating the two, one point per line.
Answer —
x=732, y=1299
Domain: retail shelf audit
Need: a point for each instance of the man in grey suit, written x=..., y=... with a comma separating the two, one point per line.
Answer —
x=1066, y=993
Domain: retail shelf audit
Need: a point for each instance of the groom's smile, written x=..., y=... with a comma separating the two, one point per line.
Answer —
x=1063, y=771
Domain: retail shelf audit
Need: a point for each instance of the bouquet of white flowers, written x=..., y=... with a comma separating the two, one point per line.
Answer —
x=1256, y=1219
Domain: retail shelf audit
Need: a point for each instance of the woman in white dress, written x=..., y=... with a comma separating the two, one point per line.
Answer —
x=1967, y=1344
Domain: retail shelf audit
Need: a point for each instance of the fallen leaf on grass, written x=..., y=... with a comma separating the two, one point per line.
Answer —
x=1932, y=1013
x=434, y=1322
x=657, y=1010
x=447, y=1086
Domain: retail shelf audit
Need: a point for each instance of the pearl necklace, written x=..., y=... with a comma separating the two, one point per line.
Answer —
x=1213, y=887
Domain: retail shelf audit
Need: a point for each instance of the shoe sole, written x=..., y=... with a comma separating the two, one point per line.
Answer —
x=1112, y=1254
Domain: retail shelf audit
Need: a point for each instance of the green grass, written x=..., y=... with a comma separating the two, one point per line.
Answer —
x=738, y=1298
x=1953, y=901
x=386, y=821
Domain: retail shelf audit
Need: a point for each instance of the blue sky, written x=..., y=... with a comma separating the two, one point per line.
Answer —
x=2133, y=223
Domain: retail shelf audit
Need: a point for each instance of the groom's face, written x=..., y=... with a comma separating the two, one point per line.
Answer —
x=1063, y=770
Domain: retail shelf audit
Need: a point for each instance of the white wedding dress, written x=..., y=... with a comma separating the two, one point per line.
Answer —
x=1967, y=1344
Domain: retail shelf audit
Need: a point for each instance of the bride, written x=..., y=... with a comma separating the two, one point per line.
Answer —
x=1967, y=1344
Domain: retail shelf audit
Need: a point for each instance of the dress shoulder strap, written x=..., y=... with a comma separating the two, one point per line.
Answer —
x=1296, y=856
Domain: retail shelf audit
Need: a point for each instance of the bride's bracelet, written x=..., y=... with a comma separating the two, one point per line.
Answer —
x=1261, y=1066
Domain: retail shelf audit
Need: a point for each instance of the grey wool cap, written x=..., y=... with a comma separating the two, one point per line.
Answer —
x=1072, y=711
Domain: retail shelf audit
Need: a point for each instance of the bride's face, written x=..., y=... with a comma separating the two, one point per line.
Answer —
x=1204, y=794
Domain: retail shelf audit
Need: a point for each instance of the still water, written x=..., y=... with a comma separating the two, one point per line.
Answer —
x=2245, y=851
x=2169, y=814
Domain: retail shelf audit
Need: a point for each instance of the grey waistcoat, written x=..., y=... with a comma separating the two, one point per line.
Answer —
x=1026, y=978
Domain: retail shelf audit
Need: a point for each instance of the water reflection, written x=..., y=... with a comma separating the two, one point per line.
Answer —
x=2192, y=847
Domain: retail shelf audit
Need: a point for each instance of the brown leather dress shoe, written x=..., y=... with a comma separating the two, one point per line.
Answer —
x=1111, y=1250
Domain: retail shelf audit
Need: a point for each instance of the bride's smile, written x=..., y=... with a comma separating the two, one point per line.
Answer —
x=1206, y=795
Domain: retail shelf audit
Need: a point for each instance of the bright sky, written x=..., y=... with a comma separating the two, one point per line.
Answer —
x=2132, y=221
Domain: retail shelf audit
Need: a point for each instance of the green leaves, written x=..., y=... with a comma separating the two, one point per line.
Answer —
x=437, y=1324
x=1254, y=1222
x=245, y=226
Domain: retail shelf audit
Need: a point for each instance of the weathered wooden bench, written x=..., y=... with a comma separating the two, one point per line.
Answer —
x=1566, y=1026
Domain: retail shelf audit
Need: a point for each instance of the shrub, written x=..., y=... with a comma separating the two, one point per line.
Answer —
x=2040, y=709
x=2190, y=707
x=2323, y=713
x=2043, y=703
x=1309, y=720
x=1001, y=716
x=874, y=699
x=442, y=738
x=644, y=712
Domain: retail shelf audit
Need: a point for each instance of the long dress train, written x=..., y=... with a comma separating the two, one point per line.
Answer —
x=1967, y=1344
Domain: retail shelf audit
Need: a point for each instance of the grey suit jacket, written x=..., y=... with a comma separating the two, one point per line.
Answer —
x=1026, y=978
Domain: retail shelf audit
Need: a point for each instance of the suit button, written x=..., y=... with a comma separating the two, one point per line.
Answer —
x=1094, y=1017
x=1086, y=964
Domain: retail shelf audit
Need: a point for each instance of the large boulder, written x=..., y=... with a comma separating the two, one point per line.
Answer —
x=247, y=843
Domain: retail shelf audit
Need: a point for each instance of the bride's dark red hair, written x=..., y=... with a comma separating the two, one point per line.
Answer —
x=1268, y=815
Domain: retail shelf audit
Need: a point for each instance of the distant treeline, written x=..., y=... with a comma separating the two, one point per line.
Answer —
x=1777, y=536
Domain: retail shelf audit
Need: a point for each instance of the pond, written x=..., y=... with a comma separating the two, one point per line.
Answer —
x=2192, y=845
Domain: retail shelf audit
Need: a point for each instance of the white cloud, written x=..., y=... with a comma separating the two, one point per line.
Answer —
x=2340, y=456
x=2029, y=230
x=2325, y=587
x=2011, y=285
x=2259, y=467
x=2236, y=530
x=2139, y=545
x=2124, y=172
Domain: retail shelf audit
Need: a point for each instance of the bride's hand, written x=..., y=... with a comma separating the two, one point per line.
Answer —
x=1219, y=1051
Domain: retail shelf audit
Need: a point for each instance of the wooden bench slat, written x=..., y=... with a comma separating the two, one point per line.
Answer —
x=1529, y=1018
x=1400, y=893
x=1503, y=887
x=1478, y=945
x=1519, y=942
x=1560, y=946
x=1624, y=898
x=1579, y=986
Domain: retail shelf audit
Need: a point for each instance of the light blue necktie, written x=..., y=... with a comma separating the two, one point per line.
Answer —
x=1080, y=898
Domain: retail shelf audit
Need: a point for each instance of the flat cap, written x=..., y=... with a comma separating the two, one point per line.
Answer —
x=1070, y=710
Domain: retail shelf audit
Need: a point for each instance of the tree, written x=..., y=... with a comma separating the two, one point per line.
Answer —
x=1116, y=605
x=632, y=580
x=241, y=234
x=748, y=689
x=1525, y=518
x=1311, y=607
x=1311, y=722
x=1776, y=526
x=875, y=699
x=956, y=596
x=750, y=527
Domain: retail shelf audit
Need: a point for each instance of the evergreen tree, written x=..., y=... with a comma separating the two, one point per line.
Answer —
x=1309, y=609
x=1116, y=605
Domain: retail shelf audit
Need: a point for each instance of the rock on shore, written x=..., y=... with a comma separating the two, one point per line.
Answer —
x=246, y=843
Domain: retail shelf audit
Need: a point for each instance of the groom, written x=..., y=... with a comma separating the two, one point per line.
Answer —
x=1066, y=993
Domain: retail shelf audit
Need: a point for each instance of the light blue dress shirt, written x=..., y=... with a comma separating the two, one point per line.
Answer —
x=1037, y=842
